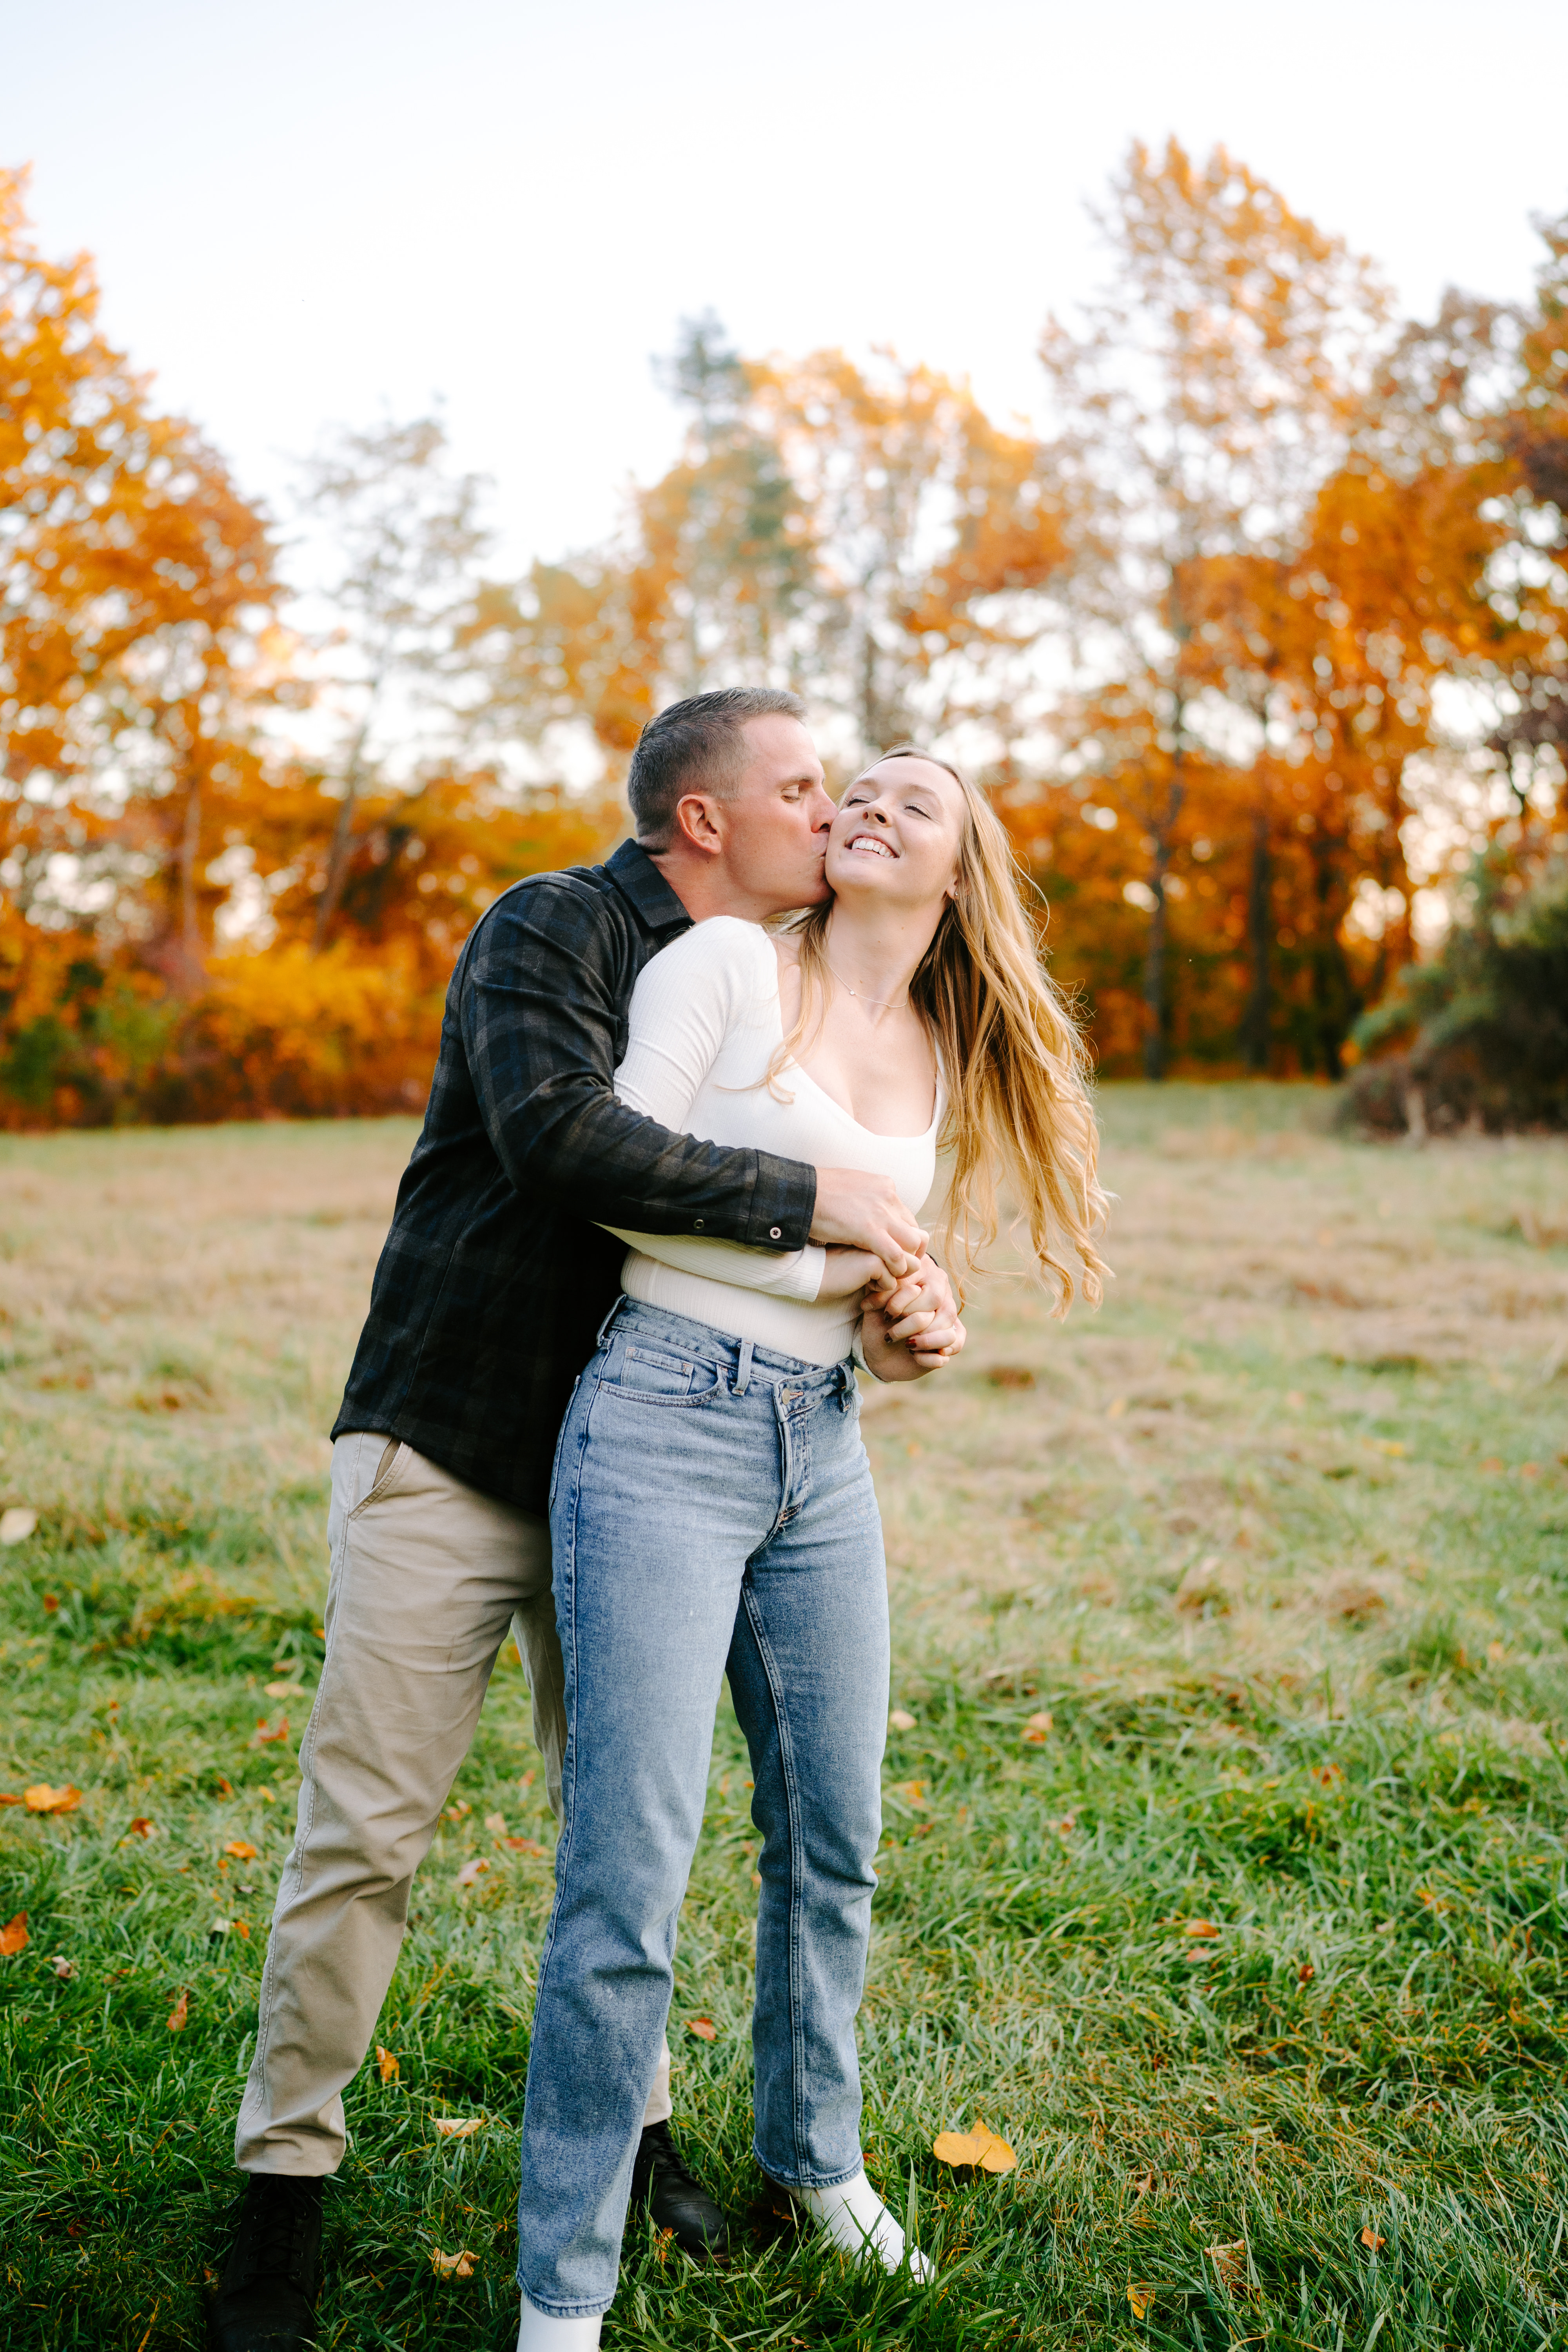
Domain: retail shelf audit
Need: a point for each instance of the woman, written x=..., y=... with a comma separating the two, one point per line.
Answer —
x=712, y=1510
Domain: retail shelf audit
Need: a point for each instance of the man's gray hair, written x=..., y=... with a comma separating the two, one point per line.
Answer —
x=696, y=746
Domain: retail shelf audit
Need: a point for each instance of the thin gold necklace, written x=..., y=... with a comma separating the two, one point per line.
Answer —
x=882, y=1003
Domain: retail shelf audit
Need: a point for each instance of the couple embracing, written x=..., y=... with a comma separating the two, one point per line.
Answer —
x=666, y=1200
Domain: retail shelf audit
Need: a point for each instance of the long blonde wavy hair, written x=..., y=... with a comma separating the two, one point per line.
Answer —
x=1014, y=1063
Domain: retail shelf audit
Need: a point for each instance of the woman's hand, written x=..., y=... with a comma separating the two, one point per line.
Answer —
x=908, y=1360
x=849, y=1272
x=911, y=1327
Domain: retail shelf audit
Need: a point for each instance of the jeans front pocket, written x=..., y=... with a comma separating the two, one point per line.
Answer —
x=644, y=1375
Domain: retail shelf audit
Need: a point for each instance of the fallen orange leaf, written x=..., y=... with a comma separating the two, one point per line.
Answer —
x=470, y=1870
x=1202, y=1930
x=526, y=1845
x=457, y=2265
x=10, y=1801
x=1369, y=2236
x=1141, y=2298
x=143, y=1826
x=901, y=1719
x=386, y=2065
x=1305, y=1972
x=179, y=2013
x=14, y=1935
x=703, y=2027
x=1230, y=2262
x=42, y=1799
x=1036, y=1728
x=284, y=1690
x=458, y=2126
x=223, y=1789
x=981, y=2147
x=263, y=1735
x=242, y=1848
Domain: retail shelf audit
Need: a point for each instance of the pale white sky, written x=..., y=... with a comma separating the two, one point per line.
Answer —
x=306, y=212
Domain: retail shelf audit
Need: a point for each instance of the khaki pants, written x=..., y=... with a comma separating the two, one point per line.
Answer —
x=426, y=1578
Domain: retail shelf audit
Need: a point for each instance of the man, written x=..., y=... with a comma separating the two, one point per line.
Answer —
x=491, y=1288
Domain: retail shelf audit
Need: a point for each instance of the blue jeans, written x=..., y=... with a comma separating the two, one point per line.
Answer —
x=712, y=1513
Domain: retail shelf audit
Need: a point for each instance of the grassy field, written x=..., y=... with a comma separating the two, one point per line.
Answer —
x=1225, y=1869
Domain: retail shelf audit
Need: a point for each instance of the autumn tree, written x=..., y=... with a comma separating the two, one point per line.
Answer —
x=869, y=537
x=1215, y=383
x=133, y=582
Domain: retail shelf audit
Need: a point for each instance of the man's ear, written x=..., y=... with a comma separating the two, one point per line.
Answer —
x=696, y=824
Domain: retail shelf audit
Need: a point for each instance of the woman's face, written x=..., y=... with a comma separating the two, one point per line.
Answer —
x=897, y=835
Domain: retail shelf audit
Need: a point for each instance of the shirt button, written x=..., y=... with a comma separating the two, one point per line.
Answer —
x=776, y=1232
x=697, y=1225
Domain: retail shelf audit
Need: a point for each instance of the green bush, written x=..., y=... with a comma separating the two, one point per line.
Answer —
x=1481, y=1033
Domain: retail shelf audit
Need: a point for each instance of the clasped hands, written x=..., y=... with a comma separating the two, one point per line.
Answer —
x=876, y=1252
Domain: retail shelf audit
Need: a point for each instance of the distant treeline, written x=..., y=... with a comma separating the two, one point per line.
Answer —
x=1267, y=631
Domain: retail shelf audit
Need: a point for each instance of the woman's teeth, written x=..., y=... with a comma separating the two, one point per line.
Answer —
x=868, y=841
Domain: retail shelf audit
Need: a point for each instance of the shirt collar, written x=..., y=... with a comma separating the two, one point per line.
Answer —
x=637, y=878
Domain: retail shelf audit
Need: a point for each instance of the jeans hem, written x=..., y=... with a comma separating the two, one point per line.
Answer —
x=565, y=2310
x=835, y=2181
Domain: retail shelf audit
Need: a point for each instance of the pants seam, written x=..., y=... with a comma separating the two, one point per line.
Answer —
x=796, y=1898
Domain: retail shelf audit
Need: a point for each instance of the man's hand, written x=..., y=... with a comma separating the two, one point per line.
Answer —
x=860, y=1211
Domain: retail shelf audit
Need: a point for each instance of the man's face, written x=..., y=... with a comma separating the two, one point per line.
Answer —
x=775, y=827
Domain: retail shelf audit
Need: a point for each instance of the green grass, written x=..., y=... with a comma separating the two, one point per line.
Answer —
x=1280, y=1543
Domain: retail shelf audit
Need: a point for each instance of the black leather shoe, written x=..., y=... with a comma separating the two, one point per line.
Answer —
x=265, y=2300
x=661, y=2183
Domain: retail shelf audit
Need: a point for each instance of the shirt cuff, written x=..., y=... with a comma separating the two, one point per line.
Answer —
x=782, y=1204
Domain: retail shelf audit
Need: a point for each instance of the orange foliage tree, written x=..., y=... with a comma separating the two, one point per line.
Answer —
x=164, y=866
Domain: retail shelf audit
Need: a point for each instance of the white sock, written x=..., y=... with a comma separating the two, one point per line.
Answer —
x=854, y=2217
x=543, y=2331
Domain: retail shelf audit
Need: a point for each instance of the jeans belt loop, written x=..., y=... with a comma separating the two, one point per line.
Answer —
x=743, y=1369
x=609, y=1318
x=846, y=1386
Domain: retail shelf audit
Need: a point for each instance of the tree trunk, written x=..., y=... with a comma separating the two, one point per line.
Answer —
x=342, y=834
x=1256, y=1020
x=1156, y=960
x=190, y=911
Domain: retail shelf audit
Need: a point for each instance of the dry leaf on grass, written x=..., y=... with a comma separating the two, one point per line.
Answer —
x=143, y=1826
x=1370, y=2239
x=496, y=1821
x=703, y=2027
x=471, y=1871
x=180, y=2014
x=914, y=1792
x=16, y=1524
x=901, y=1719
x=979, y=2147
x=457, y=2265
x=1230, y=2262
x=386, y=2065
x=42, y=1799
x=1202, y=1930
x=63, y=1967
x=242, y=1848
x=14, y=1935
x=266, y=1734
x=1141, y=2298
x=1038, y=1728
x=529, y=1846
x=6, y=1798
x=456, y=2127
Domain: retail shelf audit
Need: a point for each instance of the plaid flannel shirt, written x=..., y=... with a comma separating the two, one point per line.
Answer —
x=493, y=1280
